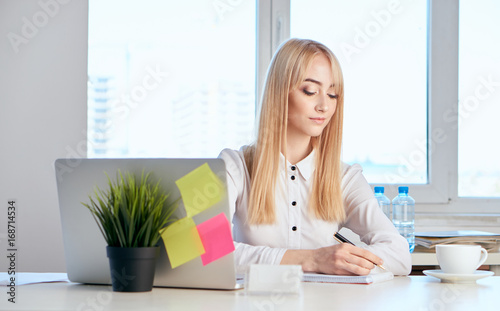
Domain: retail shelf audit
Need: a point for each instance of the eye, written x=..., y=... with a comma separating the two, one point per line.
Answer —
x=308, y=93
x=333, y=96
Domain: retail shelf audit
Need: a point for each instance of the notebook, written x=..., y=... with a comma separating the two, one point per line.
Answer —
x=84, y=245
x=375, y=277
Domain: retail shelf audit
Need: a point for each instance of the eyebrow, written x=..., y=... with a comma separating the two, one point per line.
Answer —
x=316, y=82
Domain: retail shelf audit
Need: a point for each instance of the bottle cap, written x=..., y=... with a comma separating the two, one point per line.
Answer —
x=379, y=189
x=403, y=189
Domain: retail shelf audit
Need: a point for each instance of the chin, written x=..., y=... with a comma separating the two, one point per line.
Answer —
x=316, y=133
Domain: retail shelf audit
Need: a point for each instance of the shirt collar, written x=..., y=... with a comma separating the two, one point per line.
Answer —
x=305, y=166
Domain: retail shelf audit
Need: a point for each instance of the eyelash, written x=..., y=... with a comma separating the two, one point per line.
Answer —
x=312, y=93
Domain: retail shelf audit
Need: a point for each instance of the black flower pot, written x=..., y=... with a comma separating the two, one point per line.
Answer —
x=132, y=268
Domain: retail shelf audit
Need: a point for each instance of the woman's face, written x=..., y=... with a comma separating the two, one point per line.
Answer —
x=313, y=103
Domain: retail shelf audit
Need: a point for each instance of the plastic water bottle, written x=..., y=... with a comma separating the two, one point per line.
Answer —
x=383, y=202
x=403, y=216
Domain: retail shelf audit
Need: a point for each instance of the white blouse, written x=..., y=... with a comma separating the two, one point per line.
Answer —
x=295, y=228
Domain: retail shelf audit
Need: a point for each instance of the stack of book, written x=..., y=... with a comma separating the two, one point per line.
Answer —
x=427, y=241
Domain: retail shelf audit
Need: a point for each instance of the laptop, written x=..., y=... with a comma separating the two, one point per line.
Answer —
x=84, y=245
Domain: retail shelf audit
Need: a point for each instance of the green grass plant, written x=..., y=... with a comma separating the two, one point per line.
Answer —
x=131, y=212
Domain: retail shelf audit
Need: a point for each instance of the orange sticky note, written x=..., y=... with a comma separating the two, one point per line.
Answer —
x=200, y=189
x=215, y=235
x=182, y=242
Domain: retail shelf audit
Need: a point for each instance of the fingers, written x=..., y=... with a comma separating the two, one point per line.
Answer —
x=359, y=266
x=346, y=259
x=353, y=260
x=366, y=255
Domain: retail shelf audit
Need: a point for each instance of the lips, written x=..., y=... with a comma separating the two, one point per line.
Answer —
x=318, y=120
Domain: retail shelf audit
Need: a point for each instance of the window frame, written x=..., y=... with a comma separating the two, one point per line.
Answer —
x=439, y=198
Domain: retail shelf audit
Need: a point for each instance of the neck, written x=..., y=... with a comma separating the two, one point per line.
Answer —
x=298, y=149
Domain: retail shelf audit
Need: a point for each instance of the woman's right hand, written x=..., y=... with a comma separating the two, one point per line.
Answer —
x=340, y=259
x=344, y=259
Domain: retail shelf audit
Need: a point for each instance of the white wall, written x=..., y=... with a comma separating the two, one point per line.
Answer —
x=43, y=94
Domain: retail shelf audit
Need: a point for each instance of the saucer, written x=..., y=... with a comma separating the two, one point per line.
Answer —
x=458, y=278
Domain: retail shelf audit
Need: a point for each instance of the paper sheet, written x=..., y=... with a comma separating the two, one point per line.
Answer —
x=216, y=237
x=23, y=278
x=182, y=242
x=200, y=189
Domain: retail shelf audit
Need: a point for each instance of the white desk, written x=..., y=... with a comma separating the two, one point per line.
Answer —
x=403, y=293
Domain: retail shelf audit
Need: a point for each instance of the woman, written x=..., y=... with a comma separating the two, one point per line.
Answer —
x=290, y=192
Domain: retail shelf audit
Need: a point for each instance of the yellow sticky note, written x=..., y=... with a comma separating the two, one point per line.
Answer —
x=182, y=242
x=200, y=189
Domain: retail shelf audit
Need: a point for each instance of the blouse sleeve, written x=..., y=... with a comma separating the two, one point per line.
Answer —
x=365, y=218
x=238, y=183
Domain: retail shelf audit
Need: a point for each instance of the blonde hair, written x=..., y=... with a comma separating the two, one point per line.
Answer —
x=286, y=71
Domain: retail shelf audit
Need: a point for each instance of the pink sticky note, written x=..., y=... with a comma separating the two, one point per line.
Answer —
x=215, y=235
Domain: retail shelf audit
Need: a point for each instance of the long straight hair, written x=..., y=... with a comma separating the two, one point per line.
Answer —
x=286, y=71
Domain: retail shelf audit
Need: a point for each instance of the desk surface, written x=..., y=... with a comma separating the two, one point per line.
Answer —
x=403, y=293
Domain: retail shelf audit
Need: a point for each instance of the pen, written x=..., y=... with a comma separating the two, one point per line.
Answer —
x=341, y=239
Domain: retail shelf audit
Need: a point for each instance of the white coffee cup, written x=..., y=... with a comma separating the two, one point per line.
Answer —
x=460, y=259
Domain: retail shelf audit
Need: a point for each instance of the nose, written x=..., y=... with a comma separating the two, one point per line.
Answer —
x=322, y=104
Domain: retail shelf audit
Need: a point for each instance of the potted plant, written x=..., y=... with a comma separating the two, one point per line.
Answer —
x=130, y=214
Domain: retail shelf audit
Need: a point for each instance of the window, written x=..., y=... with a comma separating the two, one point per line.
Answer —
x=382, y=49
x=479, y=99
x=170, y=78
x=408, y=101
